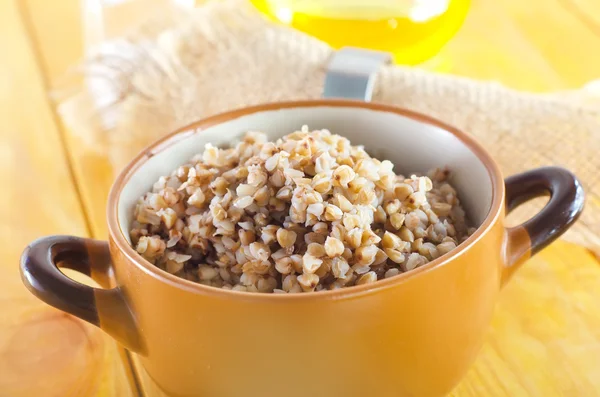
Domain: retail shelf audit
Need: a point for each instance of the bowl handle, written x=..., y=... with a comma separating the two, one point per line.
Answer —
x=565, y=205
x=105, y=308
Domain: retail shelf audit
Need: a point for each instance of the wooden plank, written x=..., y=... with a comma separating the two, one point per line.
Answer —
x=64, y=20
x=490, y=46
x=561, y=37
x=61, y=22
x=536, y=45
x=43, y=352
x=544, y=337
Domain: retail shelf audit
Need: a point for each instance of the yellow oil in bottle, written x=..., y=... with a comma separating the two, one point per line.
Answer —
x=412, y=30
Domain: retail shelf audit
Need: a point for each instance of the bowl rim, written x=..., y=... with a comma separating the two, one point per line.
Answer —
x=117, y=235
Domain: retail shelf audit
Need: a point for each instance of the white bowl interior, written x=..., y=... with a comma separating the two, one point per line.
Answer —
x=413, y=147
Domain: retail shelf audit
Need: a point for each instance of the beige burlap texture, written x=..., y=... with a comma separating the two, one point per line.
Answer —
x=169, y=73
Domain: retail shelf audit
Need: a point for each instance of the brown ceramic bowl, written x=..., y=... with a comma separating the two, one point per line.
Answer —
x=410, y=335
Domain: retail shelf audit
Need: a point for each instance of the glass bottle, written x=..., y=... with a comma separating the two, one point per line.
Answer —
x=412, y=30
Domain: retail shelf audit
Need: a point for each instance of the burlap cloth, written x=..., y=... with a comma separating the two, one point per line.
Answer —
x=177, y=69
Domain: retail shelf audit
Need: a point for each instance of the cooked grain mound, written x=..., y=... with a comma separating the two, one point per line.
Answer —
x=305, y=213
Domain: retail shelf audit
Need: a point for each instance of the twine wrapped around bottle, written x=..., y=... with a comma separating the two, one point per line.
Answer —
x=225, y=55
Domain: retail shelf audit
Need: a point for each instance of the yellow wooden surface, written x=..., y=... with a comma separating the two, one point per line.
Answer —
x=43, y=352
x=545, y=337
x=534, y=45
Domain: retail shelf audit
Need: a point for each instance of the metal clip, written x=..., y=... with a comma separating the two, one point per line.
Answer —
x=351, y=73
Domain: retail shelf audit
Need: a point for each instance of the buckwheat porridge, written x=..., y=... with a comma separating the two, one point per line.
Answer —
x=308, y=212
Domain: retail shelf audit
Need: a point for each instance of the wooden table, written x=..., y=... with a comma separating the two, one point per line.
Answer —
x=545, y=337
